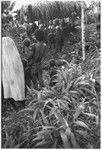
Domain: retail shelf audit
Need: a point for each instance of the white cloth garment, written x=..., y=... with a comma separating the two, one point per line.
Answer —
x=12, y=71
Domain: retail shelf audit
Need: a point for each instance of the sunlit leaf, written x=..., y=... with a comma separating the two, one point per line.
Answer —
x=83, y=133
x=77, y=113
x=58, y=102
x=35, y=114
x=31, y=103
x=37, y=138
x=73, y=141
x=79, y=79
x=64, y=139
x=68, y=132
x=59, y=116
x=40, y=143
x=87, y=90
x=64, y=104
x=74, y=92
x=81, y=124
x=49, y=100
x=67, y=98
x=48, y=127
x=25, y=110
x=90, y=114
x=81, y=92
x=55, y=144
x=73, y=100
x=44, y=117
x=97, y=120
x=30, y=91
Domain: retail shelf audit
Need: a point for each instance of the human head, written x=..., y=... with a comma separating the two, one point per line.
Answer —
x=52, y=63
x=39, y=35
x=62, y=62
x=26, y=42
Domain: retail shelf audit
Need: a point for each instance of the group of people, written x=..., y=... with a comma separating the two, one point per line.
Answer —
x=31, y=72
x=53, y=36
x=37, y=40
x=32, y=62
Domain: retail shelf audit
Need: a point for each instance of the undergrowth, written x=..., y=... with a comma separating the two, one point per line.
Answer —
x=65, y=116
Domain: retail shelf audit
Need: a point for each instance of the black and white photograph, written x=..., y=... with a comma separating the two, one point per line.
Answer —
x=50, y=74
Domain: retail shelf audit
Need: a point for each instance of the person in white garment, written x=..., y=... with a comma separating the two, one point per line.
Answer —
x=12, y=72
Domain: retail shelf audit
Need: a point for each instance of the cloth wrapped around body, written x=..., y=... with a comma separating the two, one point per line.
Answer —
x=12, y=71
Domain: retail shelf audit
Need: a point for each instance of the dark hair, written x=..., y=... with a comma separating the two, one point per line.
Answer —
x=26, y=42
x=39, y=35
x=99, y=17
x=52, y=63
x=24, y=61
x=24, y=36
x=98, y=26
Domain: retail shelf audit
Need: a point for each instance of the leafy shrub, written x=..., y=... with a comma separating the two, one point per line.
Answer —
x=65, y=116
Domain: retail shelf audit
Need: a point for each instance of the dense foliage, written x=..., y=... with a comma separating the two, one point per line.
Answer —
x=67, y=115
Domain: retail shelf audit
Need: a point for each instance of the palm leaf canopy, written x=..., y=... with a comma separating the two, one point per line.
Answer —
x=49, y=10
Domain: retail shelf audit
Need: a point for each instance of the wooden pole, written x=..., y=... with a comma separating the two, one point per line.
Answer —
x=47, y=26
x=83, y=30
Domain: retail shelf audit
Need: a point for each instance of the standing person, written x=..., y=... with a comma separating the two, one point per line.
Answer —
x=12, y=73
x=51, y=39
x=27, y=68
x=59, y=39
x=38, y=53
x=98, y=26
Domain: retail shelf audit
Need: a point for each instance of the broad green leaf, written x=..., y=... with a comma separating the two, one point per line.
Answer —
x=67, y=98
x=48, y=127
x=59, y=116
x=83, y=83
x=61, y=119
x=37, y=138
x=30, y=91
x=52, y=112
x=74, y=96
x=21, y=144
x=90, y=114
x=74, y=92
x=49, y=100
x=64, y=105
x=58, y=102
x=39, y=97
x=35, y=114
x=40, y=143
x=97, y=120
x=41, y=133
x=77, y=113
x=64, y=76
x=64, y=139
x=73, y=141
x=83, y=133
x=31, y=103
x=25, y=111
x=44, y=117
x=80, y=92
x=79, y=79
x=73, y=100
x=87, y=90
x=82, y=124
x=55, y=144
x=68, y=132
